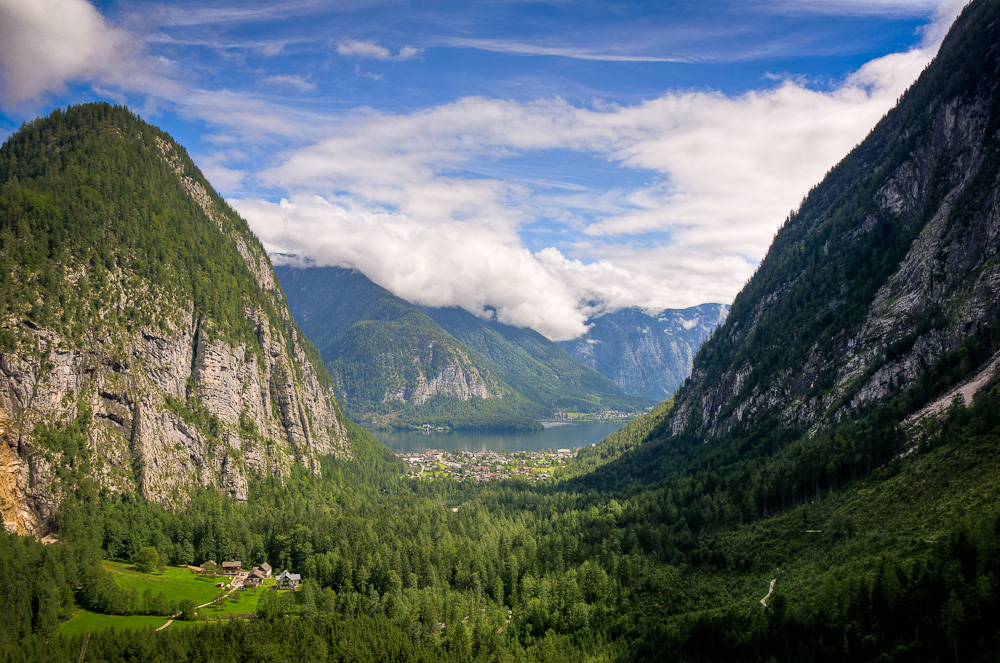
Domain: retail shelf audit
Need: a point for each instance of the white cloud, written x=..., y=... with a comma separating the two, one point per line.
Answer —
x=421, y=204
x=520, y=48
x=45, y=44
x=474, y=265
x=724, y=173
x=296, y=82
x=859, y=7
x=371, y=49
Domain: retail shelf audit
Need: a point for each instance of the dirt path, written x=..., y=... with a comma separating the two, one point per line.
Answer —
x=770, y=589
x=237, y=583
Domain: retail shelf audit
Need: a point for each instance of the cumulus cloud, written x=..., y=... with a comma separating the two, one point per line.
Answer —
x=46, y=43
x=424, y=204
x=479, y=266
x=371, y=49
x=723, y=174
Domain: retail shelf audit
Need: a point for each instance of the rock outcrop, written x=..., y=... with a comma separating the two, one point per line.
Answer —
x=645, y=354
x=164, y=396
x=891, y=264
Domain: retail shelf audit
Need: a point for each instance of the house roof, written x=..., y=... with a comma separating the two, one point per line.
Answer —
x=290, y=576
x=229, y=565
x=265, y=567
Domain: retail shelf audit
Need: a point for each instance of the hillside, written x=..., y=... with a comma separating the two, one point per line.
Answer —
x=886, y=280
x=646, y=355
x=864, y=532
x=144, y=341
x=402, y=365
x=539, y=369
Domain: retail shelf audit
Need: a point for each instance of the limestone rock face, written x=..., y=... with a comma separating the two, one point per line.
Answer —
x=169, y=413
x=646, y=354
x=153, y=394
x=809, y=343
x=457, y=377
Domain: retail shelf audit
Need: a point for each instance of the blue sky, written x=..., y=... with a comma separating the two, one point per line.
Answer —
x=540, y=160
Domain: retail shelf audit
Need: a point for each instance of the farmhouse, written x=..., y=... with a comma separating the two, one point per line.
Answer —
x=265, y=568
x=288, y=580
x=254, y=578
x=232, y=568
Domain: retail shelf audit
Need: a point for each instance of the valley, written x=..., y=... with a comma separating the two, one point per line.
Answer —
x=823, y=486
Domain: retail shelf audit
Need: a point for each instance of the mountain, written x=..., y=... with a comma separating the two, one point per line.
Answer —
x=871, y=535
x=537, y=368
x=390, y=361
x=877, y=303
x=398, y=364
x=646, y=355
x=886, y=281
x=145, y=344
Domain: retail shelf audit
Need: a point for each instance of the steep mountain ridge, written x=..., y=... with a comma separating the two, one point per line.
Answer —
x=388, y=359
x=540, y=370
x=399, y=364
x=144, y=341
x=647, y=355
x=889, y=268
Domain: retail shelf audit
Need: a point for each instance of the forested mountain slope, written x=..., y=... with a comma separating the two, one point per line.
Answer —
x=144, y=341
x=875, y=537
x=398, y=364
x=889, y=267
x=538, y=368
x=647, y=355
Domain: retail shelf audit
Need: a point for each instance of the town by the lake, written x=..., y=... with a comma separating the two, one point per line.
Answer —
x=484, y=466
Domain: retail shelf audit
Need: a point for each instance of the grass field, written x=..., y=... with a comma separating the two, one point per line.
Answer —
x=176, y=583
x=87, y=622
x=240, y=602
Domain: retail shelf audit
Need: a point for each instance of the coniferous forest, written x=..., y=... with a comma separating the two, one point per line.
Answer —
x=870, y=532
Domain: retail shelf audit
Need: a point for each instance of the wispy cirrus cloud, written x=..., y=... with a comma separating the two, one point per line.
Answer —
x=371, y=49
x=526, y=49
x=859, y=7
x=288, y=80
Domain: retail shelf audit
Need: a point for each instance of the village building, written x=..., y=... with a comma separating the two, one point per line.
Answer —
x=288, y=580
x=233, y=568
x=254, y=578
x=265, y=568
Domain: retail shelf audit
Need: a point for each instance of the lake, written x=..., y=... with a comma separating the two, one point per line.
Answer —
x=557, y=435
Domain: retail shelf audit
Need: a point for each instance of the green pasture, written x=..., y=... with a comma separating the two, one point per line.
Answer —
x=176, y=583
x=83, y=621
x=240, y=602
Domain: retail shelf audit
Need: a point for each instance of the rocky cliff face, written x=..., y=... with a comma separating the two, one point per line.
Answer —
x=890, y=264
x=163, y=405
x=647, y=355
x=455, y=376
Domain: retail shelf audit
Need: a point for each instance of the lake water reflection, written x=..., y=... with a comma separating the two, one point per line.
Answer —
x=555, y=436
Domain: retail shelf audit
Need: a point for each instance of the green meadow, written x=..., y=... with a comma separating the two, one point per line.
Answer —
x=83, y=622
x=176, y=583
